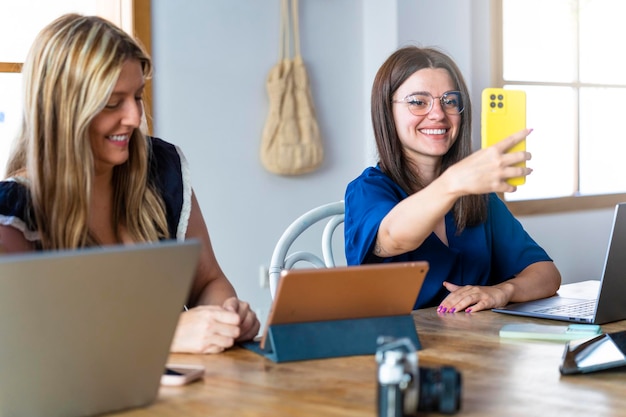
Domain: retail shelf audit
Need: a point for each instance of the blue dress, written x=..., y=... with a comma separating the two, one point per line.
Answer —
x=168, y=171
x=486, y=254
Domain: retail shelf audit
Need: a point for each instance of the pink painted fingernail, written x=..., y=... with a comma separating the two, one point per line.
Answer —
x=452, y=310
x=468, y=310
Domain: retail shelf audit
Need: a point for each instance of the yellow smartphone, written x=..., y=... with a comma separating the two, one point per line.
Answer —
x=503, y=113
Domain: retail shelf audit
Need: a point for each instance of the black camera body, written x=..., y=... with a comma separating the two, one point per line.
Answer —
x=404, y=388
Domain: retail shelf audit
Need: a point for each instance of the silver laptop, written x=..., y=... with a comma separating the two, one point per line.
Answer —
x=595, y=301
x=88, y=332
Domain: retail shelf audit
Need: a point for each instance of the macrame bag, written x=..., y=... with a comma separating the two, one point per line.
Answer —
x=291, y=142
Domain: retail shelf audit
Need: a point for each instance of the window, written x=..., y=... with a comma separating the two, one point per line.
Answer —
x=21, y=20
x=562, y=53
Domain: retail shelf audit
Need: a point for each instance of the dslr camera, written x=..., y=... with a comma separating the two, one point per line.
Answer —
x=404, y=388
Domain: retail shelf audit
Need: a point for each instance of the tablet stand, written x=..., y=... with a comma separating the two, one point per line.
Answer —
x=332, y=338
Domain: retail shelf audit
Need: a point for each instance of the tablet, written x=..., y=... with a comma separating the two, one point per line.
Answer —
x=346, y=292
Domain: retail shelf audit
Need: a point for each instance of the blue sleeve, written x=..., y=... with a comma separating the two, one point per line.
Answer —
x=368, y=199
x=512, y=247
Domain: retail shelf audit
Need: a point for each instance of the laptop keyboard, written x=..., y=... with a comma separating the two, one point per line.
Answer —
x=582, y=309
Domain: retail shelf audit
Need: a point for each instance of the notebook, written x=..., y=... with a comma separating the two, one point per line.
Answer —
x=592, y=301
x=346, y=292
x=88, y=332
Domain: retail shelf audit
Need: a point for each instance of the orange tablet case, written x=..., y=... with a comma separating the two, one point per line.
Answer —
x=341, y=311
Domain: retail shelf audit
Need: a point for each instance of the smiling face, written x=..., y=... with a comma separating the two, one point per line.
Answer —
x=111, y=129
x=425, y=139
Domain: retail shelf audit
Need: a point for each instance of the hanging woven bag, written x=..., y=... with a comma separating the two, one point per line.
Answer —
x=291, y=142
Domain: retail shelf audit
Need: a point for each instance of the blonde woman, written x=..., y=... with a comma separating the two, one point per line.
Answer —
x=83, y=174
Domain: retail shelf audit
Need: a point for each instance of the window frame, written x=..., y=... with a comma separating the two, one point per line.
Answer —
x=546, y=205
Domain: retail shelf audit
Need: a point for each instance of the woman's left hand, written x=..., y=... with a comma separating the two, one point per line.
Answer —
x=471, y=298
x=249, y=324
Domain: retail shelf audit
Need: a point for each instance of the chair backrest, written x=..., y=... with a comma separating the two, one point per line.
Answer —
x=333, y=213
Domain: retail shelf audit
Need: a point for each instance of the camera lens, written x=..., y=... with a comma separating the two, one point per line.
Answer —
x=439, y=390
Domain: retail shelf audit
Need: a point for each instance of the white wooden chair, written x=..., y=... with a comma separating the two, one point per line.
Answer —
x=333, y=213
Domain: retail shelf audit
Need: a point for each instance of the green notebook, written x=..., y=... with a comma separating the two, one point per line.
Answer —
x=549, y=331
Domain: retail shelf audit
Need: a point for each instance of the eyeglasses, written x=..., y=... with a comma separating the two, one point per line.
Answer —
x=422, y=103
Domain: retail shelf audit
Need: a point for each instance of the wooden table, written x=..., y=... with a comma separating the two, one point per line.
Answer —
x=501, y=377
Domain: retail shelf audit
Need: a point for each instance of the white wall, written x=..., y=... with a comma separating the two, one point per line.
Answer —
x=212, y=58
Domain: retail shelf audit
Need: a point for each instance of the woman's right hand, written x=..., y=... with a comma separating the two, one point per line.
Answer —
x=206, y=329
x=487, y=170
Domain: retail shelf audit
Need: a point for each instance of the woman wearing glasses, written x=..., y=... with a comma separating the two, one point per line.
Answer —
x=430, y=198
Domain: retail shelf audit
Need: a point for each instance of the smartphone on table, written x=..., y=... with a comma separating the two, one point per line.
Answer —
x=503, y=112
x=181, y=374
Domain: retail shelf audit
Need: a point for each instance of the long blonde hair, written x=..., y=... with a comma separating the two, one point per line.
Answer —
x=69, y=74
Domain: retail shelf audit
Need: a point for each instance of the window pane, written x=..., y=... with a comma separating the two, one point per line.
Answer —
x=539, y=40
x=601, y=30
x=602, y=141
x=21, y=20
x=551, y=113
x=10, y=108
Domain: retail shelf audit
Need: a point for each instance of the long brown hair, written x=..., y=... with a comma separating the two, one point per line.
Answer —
x=69, y=74
x=468, y=210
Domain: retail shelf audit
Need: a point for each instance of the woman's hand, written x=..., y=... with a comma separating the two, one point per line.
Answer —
x=248, y=324
x=470, y=298
x=488, y=169
x=206, y=329
x=537, y=280
x=212, y=329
